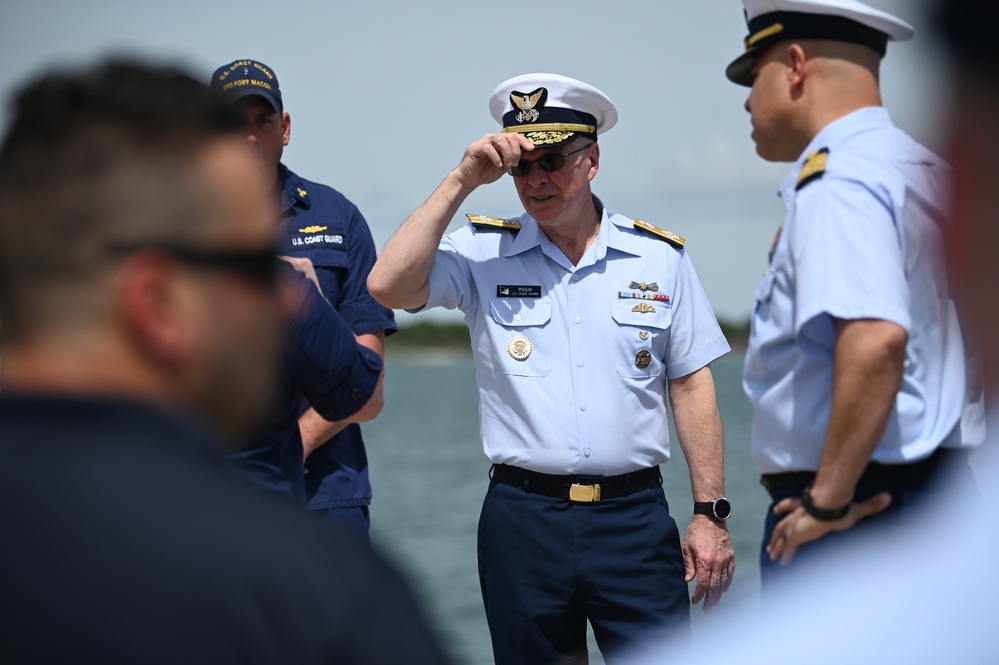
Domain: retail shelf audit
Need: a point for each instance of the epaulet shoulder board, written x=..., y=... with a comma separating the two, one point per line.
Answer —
x=481, y=221
x=668, y=236
x=814, y=167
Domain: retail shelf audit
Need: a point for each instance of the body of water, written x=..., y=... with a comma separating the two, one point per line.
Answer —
x=429, y=477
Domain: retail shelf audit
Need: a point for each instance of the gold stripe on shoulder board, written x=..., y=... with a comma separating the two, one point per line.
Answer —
x=668, y=236
x=493, y=222
x=813, y=167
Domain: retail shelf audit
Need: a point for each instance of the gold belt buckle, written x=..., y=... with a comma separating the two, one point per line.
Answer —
x=584, y=493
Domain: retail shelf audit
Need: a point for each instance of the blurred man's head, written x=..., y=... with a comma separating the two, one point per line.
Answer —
x=251, y=88
x=974, y=142
x=136, y=257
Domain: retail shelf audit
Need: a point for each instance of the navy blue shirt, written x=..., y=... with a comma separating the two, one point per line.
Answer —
x=129, y=539
x=324, y=366
x=320, y=224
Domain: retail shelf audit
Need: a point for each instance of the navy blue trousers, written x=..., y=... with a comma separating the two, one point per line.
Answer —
x=911, y=489
x=547, y=565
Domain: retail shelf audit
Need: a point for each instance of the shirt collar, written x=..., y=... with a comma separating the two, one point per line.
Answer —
x=294, y=190
x=609, y=236
x=837, y=131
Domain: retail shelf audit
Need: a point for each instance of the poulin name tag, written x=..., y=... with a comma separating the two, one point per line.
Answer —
x=518, y=291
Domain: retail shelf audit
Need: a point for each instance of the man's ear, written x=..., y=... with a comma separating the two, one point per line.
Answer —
x=594, y=161
x=797, y=66
x=151, y=307
x=285, y=128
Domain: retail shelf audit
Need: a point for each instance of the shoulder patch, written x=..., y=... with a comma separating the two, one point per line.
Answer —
x=481, y=221
x=814, y=167
x=668, y=236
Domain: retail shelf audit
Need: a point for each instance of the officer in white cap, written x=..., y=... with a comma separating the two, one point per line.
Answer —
x=583, y=323
x=856, y=367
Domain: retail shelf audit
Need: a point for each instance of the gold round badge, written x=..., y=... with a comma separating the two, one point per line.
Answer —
x=519, y=348
x=642, y=359
x=643, y=335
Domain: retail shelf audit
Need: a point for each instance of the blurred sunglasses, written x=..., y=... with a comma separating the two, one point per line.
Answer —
x=550, y=162
x=258, y=265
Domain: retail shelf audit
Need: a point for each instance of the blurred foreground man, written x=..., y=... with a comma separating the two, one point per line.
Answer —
x=583, y=324
x=318, y=225
x=856, y=367
x=137, y=277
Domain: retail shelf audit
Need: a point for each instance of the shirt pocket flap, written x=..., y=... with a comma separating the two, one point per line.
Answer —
x=629, y=313
x=521, y=313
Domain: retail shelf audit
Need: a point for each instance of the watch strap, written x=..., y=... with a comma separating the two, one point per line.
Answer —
x=822, y=514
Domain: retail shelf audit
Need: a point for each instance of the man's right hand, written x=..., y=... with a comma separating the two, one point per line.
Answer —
x=487, y=159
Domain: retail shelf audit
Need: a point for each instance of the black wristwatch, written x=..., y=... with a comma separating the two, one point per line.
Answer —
x=720, y=508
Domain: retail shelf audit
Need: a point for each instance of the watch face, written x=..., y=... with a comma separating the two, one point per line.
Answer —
x=723, y=509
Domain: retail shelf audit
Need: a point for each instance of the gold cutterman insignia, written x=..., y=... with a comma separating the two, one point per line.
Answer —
x=813, y=167
x=312, y=229
x=643, y=335
x=494, y=222
x=643, y=308
x=668, y=236
x=519, y=347
x=642, y=286
x=642, y=359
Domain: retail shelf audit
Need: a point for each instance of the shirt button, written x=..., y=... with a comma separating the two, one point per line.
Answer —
x=575, y=277
x=356, y=393
x=587, y=452
x=579, y=319
x=516, y=317
x=579, y=363
x=582, y=407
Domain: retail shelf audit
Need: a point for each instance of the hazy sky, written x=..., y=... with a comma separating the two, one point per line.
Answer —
x=385, y=96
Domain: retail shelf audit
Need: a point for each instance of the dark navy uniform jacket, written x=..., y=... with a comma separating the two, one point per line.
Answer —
x=322, y=225
x=324, y=366
x=127, y=538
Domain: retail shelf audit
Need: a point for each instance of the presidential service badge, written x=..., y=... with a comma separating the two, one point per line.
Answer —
x=519, y=348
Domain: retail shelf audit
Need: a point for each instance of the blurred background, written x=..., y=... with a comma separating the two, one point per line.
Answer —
x=384, y=97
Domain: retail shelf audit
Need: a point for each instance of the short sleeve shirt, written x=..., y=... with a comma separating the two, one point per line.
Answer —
x=861, y=240
x=604, y=336
x=320, y=224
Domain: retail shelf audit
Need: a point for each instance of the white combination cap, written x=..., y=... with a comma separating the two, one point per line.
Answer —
x=550, y=109
x=771, y=21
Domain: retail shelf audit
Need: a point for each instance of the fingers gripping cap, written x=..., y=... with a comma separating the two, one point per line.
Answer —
x=551, y=110
x=771, y=21
x=242, y=78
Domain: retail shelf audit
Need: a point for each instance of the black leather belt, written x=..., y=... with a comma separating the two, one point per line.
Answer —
x=877, y=474
x=581, y=489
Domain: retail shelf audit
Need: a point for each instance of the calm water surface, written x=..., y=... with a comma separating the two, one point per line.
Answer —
x=429, y=477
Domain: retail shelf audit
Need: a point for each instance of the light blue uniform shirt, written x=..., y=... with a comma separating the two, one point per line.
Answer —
x=580, y=403
x=864, y=240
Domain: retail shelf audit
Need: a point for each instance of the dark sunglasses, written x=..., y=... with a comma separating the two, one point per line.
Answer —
x=259, y=265
x=550, y=162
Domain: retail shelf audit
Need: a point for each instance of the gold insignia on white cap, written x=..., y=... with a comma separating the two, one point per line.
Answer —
x=554, y=111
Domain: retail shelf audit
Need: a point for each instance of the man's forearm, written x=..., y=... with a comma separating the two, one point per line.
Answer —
x=869, y=364
x=399, y=277
x=699, y=428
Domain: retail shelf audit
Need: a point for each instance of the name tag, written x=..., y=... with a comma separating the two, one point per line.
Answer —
x=517, y=291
